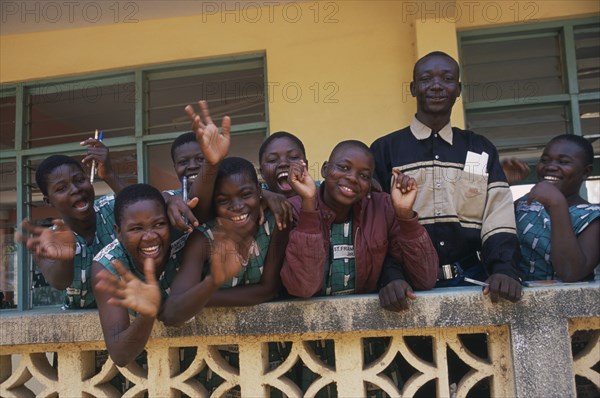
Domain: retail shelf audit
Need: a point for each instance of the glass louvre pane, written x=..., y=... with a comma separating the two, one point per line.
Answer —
x=71, y=112
x=246, y=146
x=590, y=118
x=162, y=172
x=590, y=125
x=42, y=293
x=515, y=68
x=8, y=214
x=239, y=94
x=587, y=50
x=8, y=108
x=522, y=128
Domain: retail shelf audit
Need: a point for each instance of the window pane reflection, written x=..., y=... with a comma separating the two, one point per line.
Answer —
x=162, y=173
x=8, y=258
x=71, y=112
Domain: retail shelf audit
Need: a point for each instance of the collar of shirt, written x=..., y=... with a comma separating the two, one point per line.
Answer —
x=421, y=131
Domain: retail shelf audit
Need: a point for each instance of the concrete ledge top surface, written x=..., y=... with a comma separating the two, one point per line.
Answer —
x=437, y=308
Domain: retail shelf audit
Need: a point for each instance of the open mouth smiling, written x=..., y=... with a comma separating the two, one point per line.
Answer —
x=240, y=219
x=150, y=251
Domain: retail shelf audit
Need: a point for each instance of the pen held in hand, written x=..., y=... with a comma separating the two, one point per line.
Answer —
x=93, y=171
x=184, y=191
x=476, y=282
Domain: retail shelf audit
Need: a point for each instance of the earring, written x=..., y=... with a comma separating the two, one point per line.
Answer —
x=369, y=195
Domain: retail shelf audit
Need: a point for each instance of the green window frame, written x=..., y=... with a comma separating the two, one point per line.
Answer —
x=140, y=141
x=482, y=111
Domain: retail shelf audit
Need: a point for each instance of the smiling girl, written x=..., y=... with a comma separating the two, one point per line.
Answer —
x=254, y=278
x=559, y=230
x=142, y=252
x=64, y=252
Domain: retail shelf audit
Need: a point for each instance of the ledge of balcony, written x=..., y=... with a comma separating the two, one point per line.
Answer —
x=438, y=308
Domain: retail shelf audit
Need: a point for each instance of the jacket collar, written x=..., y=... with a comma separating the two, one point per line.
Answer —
x=357, y=209
x=421, y=131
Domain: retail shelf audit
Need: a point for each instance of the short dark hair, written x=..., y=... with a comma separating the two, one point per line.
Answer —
x=277, y=135
x=136, y=193
x=433, y=54
x=182, y=139
x=234, y=165
x=580, y=141
x=48, y=165
x=352, y=143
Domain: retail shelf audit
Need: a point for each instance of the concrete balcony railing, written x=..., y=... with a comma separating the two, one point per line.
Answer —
x=529, y=347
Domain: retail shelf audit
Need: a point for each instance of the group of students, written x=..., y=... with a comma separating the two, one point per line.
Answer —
x=423, y=207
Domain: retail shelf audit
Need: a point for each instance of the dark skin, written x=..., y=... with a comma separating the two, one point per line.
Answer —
x=54, y=249
x=348, y=175
x=275, y=164
x=561, y=170
x=70, y=192
x=98, y=152
x=515, y=170
x=436, y=86
x=237, y=202
x=187, y=161
x=144, y=231
x=274, y=167
x=215, y=144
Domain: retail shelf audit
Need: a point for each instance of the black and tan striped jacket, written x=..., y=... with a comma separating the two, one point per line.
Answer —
x=466, y=207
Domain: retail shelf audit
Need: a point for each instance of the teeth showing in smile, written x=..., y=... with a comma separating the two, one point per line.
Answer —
x=346, y=189
x=240, y=218
x=192, y=177
x=149, y=250
x=283, y=174
x=81, y=205
x=550, y=178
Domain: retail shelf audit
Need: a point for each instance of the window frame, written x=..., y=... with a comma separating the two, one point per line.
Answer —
x=571, y=99
x=20, y=155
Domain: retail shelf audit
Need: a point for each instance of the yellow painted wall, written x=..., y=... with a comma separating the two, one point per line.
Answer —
x=360, y=53
x=487, y=13
x=356, y=52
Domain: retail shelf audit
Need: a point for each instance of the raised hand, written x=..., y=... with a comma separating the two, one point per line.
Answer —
x=130, y=292
x=515, y=170
x=279, y=206
x=301, y=180
x=230, y=250
x=404, y=193
x=55, y=243
x=214, y=144
x=178, y=212
x=98, y=152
